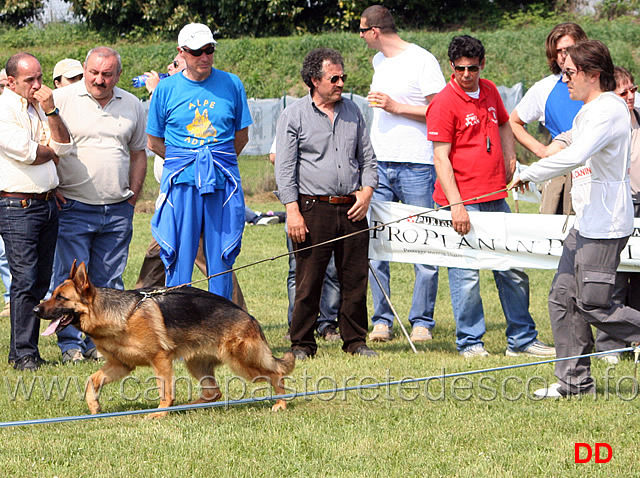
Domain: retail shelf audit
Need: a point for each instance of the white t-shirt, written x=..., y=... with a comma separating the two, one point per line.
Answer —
x=532, y=105
x=600, y=193
x=407, y=78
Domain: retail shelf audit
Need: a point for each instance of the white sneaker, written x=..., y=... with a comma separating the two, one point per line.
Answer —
x=611, y=359
x=551, y=392
x=268, y=220
x=473, y=351
x=534, y=349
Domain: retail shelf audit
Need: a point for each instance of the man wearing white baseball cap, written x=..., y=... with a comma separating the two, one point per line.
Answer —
x=198, y=121
x=67, y=72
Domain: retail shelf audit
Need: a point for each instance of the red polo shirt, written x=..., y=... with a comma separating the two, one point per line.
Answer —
x=454, y=117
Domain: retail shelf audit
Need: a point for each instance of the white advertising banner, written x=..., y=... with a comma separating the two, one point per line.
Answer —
x=496, y=241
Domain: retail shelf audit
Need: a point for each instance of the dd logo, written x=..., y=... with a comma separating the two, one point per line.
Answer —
x=589, y=453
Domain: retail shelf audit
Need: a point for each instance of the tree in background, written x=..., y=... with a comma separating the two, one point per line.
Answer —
x=263, y=18
x=19, y=12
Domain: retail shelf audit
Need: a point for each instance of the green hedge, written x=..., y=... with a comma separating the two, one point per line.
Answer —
x=270, y=66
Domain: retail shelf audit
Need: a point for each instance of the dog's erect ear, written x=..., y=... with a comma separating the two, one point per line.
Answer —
x=73, y=270
x=80, y=278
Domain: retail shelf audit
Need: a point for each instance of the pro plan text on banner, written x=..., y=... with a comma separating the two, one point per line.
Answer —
x=496, y=241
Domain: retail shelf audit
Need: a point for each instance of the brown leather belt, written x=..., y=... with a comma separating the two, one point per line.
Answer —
x=332, y=199
x=42, y=196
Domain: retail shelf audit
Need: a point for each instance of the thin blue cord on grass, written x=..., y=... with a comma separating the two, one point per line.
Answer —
x=179, y=408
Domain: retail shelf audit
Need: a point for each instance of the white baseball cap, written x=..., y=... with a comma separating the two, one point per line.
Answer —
x=68, y=68
x=195, y=35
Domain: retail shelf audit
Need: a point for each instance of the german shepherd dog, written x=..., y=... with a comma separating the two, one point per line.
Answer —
x=132, y=329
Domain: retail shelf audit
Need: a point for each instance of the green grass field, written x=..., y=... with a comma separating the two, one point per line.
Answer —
x=482, y=425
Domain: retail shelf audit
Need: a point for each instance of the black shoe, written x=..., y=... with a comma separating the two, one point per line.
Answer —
x=330, y=334
x=26, y=363
x=300, y=354
x=365, y=352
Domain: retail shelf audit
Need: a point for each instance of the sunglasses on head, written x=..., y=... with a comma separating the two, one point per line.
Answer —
x=208, y=50
x=624, y=93
x=471, y=68
x=334, y=79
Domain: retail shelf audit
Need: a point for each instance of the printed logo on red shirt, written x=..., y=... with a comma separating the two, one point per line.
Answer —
x=471, y=119
x=493, y=114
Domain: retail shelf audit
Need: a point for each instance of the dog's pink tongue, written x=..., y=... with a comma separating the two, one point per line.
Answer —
x=52, y=327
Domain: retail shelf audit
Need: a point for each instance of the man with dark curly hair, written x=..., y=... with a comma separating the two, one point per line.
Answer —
x=326, y=172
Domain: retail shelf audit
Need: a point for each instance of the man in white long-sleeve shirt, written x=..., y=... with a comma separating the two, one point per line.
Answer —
x=581, y=292
x=32, y=138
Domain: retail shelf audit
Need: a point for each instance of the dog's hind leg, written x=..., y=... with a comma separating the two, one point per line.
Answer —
x=110, y=372
x=203, y=370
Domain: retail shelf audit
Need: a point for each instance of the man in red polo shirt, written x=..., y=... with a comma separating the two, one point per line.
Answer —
x=474, y=155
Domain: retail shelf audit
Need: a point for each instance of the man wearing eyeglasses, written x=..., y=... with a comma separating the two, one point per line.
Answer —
x=598, y=159
x=198, y=121
x=326, y=173
x=474, y=156
x=406, y=78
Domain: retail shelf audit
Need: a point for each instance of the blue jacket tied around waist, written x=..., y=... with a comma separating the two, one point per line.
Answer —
x=209, y=171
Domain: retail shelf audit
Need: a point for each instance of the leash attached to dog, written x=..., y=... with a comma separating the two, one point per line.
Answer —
x=336, y=239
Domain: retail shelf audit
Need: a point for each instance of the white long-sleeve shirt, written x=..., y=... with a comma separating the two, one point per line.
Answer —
x=22, y=129
x=598, y=160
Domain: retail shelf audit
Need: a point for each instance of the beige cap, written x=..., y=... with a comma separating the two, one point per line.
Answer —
x=68, y=68
x=195, y=35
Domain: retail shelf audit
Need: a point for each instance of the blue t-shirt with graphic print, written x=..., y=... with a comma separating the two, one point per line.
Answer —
x=192, y=114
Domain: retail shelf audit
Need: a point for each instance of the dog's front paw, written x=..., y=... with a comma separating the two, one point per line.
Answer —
x=154, y=415
x=94, y=408
x=279, y=405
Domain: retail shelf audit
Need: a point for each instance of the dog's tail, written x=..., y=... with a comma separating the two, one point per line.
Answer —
x=286, y=364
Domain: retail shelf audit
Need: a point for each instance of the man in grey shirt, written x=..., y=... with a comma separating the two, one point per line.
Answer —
x=326, y=172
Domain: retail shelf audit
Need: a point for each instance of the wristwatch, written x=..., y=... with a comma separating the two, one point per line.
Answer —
x=54, y=112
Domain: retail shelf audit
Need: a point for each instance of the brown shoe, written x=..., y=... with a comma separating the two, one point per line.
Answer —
x=421, y=334
x=330, y=334
x=380, y=333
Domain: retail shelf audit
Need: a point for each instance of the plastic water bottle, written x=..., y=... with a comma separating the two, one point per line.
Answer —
x=141, y=80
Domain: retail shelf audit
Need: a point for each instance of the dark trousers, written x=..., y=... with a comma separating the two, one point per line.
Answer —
x=582, y=295
x=327, y=221
x=29, y=229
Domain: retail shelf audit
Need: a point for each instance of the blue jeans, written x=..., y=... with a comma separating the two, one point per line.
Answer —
x=408, y=183
x=330, y=300
x=5, y=274
x=99, y=236
x=513, y=289
x=29, y=229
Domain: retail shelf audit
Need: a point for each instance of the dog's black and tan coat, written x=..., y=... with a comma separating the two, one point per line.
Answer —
x=204, y=329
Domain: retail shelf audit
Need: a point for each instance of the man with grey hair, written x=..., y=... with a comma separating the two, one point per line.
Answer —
x=99, y=182
x=199, y=122
x=326, y=172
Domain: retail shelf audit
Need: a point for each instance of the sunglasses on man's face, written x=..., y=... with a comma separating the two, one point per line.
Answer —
x=471, y=68
x=569, y=73
x=624, y=93
x=208, y=50
x=334, y=79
